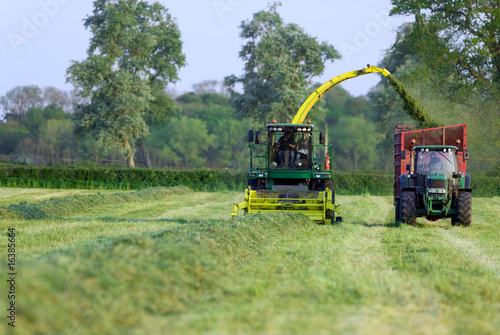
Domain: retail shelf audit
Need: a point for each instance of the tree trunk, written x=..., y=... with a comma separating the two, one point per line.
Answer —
x=144, y=153
x=130, y=157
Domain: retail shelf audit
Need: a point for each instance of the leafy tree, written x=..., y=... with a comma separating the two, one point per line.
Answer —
x=209, y=86
x=134, y=53
x=160, y=109
x=53, y=96
x=37, y=117
x=187, y=143
x=280, y=62
x=19, y=100
x=462, y=33
x=354, y=142
x=11, y=134
x=217, y=135
x=58, y=135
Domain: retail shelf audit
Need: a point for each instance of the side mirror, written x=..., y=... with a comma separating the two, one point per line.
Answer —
x=466, y=154
x=408, y=167
x=257, y=137
x=321, y=138
x=403, y=154
x=456, y=175
x=250, y=136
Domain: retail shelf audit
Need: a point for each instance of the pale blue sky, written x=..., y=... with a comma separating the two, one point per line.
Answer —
x=39, y=38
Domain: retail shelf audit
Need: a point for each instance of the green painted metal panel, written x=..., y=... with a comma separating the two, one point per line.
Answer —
x=289, y=174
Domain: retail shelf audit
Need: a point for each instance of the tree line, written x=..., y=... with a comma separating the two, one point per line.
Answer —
x=204, y=131
x=121, y=106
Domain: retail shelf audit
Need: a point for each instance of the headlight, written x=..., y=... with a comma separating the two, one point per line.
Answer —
x=437, y=190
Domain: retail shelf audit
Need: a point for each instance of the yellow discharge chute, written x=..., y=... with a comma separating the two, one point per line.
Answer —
x=311, y=100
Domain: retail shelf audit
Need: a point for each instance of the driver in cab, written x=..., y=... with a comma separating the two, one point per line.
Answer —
x=286, y=143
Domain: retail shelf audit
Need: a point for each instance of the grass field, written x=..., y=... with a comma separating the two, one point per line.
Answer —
x=172, y=261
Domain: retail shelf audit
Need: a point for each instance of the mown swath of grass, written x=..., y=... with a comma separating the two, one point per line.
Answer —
x=10, y=195
x=106, y=221
x=58, y=207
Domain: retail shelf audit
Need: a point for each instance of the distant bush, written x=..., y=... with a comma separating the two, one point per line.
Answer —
x=361, y=182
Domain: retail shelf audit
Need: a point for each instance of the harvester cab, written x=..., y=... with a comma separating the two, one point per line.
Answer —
x=435, y=186
x=290, y=170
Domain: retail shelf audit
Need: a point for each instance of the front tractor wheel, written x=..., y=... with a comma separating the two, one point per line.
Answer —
x=253, y=183
x=407, y=205
x=464, y=208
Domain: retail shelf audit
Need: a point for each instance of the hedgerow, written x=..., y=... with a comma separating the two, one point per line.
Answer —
x=346, y=182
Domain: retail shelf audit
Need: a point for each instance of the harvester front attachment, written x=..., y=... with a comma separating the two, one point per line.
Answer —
x=317, y=205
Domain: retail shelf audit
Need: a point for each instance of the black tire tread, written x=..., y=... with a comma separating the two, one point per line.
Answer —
x=464, y=207
x=397, y=211
x=408, y=208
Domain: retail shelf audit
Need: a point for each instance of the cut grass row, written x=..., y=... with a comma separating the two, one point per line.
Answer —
x=169, y=271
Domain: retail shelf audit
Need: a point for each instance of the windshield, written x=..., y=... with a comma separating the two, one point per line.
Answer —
x=435, y=161
x=290, y=150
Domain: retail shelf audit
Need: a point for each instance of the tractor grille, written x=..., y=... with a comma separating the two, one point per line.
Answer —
x=436, y=183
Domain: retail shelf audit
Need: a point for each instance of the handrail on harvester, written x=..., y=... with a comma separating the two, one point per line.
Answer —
x=318, y=93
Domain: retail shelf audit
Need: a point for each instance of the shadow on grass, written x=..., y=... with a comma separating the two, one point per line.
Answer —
x=376, y=225
x=420, y=225
x=116, y=220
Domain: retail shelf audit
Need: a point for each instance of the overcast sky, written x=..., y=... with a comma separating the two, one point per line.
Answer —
x=39, y=38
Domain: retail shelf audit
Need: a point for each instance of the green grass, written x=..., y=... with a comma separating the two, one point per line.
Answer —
x=175, y=263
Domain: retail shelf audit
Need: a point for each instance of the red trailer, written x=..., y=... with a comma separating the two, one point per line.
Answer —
x=430, y=177
x=433, y=136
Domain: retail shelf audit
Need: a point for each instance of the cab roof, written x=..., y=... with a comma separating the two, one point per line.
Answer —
x=435, y=147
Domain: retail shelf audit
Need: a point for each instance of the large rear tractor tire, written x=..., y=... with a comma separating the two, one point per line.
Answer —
x=464, y=208
x=408, y=203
